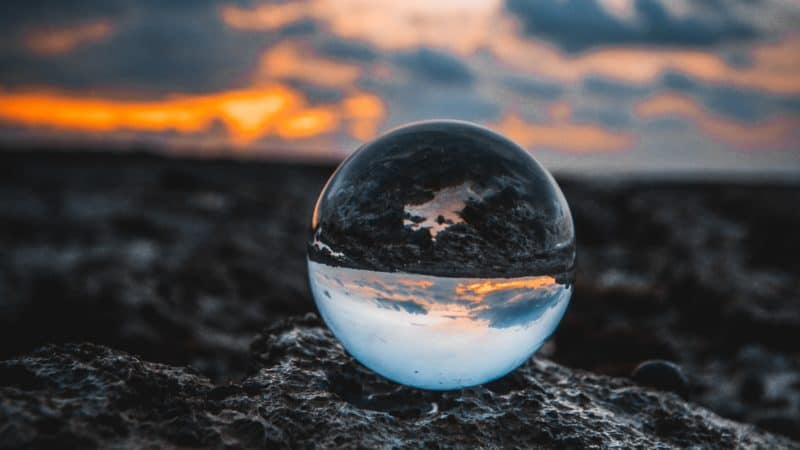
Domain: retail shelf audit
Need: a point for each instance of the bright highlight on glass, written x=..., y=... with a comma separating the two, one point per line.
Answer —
x=441, y=255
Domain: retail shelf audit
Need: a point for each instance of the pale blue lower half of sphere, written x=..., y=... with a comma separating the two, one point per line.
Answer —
x=437, y=333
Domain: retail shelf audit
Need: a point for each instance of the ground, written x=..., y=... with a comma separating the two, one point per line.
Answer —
x=185, y=263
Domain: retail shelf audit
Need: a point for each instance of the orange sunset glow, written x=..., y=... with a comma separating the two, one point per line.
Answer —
x=441, y=304
x=247, y=114
x=416, y=288
x=490, y=286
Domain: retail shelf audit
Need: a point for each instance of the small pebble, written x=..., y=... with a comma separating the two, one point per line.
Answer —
x=662, y=375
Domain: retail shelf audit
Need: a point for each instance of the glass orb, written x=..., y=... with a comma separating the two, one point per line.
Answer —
x=441, y=255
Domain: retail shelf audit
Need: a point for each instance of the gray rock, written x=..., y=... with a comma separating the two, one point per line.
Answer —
x=304, y=391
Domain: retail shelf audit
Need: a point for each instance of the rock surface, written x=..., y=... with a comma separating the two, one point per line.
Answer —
x=182, y=262
x=304, y=391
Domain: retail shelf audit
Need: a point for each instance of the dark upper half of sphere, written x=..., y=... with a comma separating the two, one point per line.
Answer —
x=443, y=198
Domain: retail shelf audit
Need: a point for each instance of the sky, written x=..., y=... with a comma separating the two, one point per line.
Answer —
x=587, y=86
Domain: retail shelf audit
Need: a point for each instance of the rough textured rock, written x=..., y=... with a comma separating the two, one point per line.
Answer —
x=182, y=262
x=304, y=391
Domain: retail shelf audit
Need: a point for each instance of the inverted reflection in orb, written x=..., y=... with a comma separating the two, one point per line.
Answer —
x=425, y=323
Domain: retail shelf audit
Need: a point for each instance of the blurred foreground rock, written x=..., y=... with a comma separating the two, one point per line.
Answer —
x=304, y=391
x=183, y=262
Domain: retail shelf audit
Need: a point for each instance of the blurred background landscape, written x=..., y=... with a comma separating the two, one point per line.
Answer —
x=589, y=86
x=159, y=161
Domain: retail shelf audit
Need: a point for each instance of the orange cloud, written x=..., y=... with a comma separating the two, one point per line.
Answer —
x=296, y=60
x=776, y=132
x=622, y=9
x=485, y=25
x=775, y=68
x=562, y=134
x=365, y=112
x=559, y=111
x=265, y=17
x=56, y=41
x=453, y=24
x=248, y=114
x=490, y=286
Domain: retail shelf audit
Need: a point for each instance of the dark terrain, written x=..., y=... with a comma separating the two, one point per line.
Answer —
x=196, y=263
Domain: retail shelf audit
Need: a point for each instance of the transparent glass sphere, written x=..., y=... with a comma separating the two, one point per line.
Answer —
x=441, y=255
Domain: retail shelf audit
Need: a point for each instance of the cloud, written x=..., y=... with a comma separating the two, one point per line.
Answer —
x=613, y=119
x=21, y=15
x=175, y=67
x=519, y=311
x=155, y=47
x=563, y=135
x=350, y=75
x=775, y=66
x=611, y=88
x=341, y=49
x=297, y=60
x=742, y=105
x=577, y=25
x=531, y=87
x=415, y=98
x=506, y=303
x=366, y=112
x=55, y=41
x=777, y=132
x=745, y=105
x=408, y=306
x=435, y=65
x=266, y=17
x=386, y=25
x=447, y=303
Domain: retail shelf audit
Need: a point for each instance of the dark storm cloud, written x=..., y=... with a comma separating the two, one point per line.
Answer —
x=408, y=306
x=744, y=105
x=421, y=99
x=739, y=59
x=677, y=81
x=518, y=308
x=530, y=87
x=614, y=89
x=18, y=15
x=436, y=66
x=347, y=50
x=156, y=47
x=316, y=94
x=618, y=118
x=791, y=104
x=576, y=25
